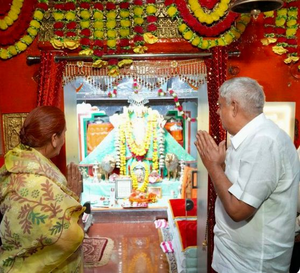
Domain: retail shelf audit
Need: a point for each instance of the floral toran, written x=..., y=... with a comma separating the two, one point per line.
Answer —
x=207, y=26
x=93, y=25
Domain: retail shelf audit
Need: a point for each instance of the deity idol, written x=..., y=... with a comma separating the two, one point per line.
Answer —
x=139, y=142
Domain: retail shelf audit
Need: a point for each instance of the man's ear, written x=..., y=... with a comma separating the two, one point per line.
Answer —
x=54, y=140
x=235, y=107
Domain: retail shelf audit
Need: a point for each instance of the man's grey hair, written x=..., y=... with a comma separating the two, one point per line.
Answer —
x=246, y=91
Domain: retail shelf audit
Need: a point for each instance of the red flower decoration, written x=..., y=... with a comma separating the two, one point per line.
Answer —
x=280, y=30
x=138, y=2
x=124, y=50
x=151, y=27
x=71, y=34
x=112, y=61
x=281, y=40
x=179, y=108
x=209, y=4
x=138, y=38
x=59, y=33
x=169, y=2
x=151, y=19
x=138, y=29
x=292, y=49
x=98, y=43
x=98, y=6
x=269, y=21
x=110, y=6
x=269, y=30
x=84, y=5
x=292, y=41
x=85, y=41
x=59, y=6
x=58, y=25
x=201, y=29
x=86, y=32
x=42, y=6
x=71, y=25
x=98, y=52
x=124, y=42
x=150, y=1
x=111, y=51
x=70, y=6
x=124, y=5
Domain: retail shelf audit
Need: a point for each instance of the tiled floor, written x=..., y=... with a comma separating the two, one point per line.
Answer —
x=136, y=243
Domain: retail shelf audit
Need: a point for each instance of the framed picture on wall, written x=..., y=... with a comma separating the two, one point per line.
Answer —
x=12, y=124
x=123, y=187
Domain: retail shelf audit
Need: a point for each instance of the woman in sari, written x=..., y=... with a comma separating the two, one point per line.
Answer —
x=40, y=230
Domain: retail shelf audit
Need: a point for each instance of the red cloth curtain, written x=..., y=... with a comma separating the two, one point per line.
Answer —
x=50, y=91
x=216, y=75
x=50, y=87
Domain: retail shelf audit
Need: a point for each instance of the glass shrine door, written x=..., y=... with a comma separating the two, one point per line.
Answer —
x=94, y=117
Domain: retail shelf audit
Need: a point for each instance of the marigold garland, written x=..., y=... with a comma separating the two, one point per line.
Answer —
x=209, y=16
x=70, y=17
x=12, y=14
x=151, y=9
x=122, y=148
x=223, y=40
x=139, y=151
x=180, y=10
x=145, y=183
x=59, y=15
x=281, y=31
x=34, y=26
x=138, y=11
x=125, y=27
x=111, y=23
x=98, y=44
x=85, y=24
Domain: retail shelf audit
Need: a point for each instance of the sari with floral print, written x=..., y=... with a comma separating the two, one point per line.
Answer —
x=39, y=229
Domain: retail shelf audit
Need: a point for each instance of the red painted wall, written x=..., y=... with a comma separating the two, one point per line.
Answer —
x=261, y=63
x=18, y=91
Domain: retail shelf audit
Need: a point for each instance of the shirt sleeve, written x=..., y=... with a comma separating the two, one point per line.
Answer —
x=258, y=172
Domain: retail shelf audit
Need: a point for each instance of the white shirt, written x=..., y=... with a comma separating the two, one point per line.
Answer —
x=263, y=166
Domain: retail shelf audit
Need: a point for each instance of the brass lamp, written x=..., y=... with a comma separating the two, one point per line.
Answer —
x=255, y=7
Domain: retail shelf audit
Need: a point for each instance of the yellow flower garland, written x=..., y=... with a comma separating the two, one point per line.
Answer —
x=26, y=40
x=111, y=24
x=135, y=185
x=286, y=20
x=209, y=17
x=225, y=39
x=122, y=148
x=12, y=15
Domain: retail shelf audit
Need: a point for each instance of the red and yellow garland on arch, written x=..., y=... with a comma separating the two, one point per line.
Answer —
x=31, y=32
x=207, y=27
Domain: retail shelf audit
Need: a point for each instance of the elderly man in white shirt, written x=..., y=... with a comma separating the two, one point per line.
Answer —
x=295, y=261
x=257, y=190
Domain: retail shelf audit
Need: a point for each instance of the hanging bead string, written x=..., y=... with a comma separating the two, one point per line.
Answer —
x=179, y=107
